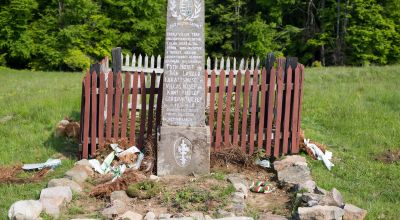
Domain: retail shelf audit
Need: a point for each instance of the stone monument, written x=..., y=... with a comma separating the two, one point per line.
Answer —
x=184, y=142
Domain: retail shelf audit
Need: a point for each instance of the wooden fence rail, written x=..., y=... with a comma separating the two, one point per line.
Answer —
x=253, y=109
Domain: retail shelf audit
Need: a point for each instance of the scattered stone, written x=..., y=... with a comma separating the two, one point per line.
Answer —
x=197, y=215
x=352, y=212
x=79, y=173
x=294, y=175
x=270, y=216
x=165, y=216
x=25, y=209
x=131, y=216
x=154, y=178
x=319, y=190
x=119, y=195
x=320, y=213
x=239, y=208
x=238, y=197
x=222, y=213
x=75, y=187
x=5, y=119
x=236, y=218
x=289, y=161
x=150, y=216
x=117, y=208
x=83, y=162
x=308, y=185
x=337, y=197
x=308, y=197
x=312, y=203
x=54, y=198
x=239, y=183
x=207, y=217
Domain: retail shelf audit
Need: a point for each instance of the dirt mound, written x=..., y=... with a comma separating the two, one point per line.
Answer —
x=389, y=156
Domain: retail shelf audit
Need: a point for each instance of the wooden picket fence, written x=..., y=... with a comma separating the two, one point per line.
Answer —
x=253, y=109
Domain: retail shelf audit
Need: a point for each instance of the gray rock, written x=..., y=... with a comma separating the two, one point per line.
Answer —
x=294, y=175
x=289, y=161
x=222, y=213
x=307, y=197
x=239, y=208
x=236, y=218
x=313, y=199
x=308, y=186
x=25, y=209
x=337, y=197
x=312, y=203
x=131, y=216
x=319, y=190
x=119, y=195
x=270, y=216
x=197, y=215
x=207, y=217
x=182, y=218
x=164, y=216
x=239, y=183
x=320, y=213
x=150, y=216
x=238, y=197
x=75, y=187
x=118, y=207
x=352, y=212
x=83, y=162
x=154, y=178
x=54, y=198
x=79, y=173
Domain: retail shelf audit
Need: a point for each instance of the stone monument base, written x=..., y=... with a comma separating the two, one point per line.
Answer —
x=183, y=150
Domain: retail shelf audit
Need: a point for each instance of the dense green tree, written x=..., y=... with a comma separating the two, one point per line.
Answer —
x=71, y=34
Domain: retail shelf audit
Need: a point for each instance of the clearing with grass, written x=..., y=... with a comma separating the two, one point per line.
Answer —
x=353, y=110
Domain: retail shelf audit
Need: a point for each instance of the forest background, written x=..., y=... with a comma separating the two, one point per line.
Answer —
x=71, y=34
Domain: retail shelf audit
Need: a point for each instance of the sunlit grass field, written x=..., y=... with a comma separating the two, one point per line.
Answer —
x=354, y=111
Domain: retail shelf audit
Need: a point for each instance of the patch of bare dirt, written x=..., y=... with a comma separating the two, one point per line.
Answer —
x=16, y=175
x=389, y=156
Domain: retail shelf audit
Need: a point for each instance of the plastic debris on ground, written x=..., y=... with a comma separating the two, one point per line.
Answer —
x=261, y=187
x=264, y=163
x=50, y=163
x=129, y=158
x=317, y=152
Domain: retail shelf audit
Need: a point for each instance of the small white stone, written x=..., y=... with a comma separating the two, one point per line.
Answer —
x=54, y=198
x=131, y=216
x=25, y=209
x=75, y=187
x=150, y=216
x=154, y=178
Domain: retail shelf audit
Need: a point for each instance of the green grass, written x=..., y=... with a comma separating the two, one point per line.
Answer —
x=36, y=101
x=355, y=111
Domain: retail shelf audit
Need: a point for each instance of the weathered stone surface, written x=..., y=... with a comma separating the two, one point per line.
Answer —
x=270, y=216
x=183, y=101
x=54, y=198
x=337, y=197
x=131, y=216
x=222, y=213
x=352, y=212
x=119, y=195
x=294, y=175
x=236, y=218
x=289, y=161
x=150, y=216
x=79, y=173
x=319, y=190
x=83, y=162
x=313, y=199
x=196, y=215
x=207, y=217
x=75, y=187
x=239, y=183
x=118, y=207
x=308, y=185
x=320, y=213
x=164, y=216
x=195, y=142
x=154, y=178
x=25, y=209
x=238, y=197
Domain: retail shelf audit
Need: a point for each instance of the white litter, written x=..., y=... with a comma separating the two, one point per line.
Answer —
x=319, y=154
x=264, y=163
x=117, y=170
x=52, y=163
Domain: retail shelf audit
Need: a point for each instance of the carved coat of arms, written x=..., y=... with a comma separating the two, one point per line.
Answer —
x=185, y=10
x=183, y=151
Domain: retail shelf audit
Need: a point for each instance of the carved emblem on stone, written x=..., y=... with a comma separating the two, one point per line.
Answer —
x=183, y=151
x=186, y=10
